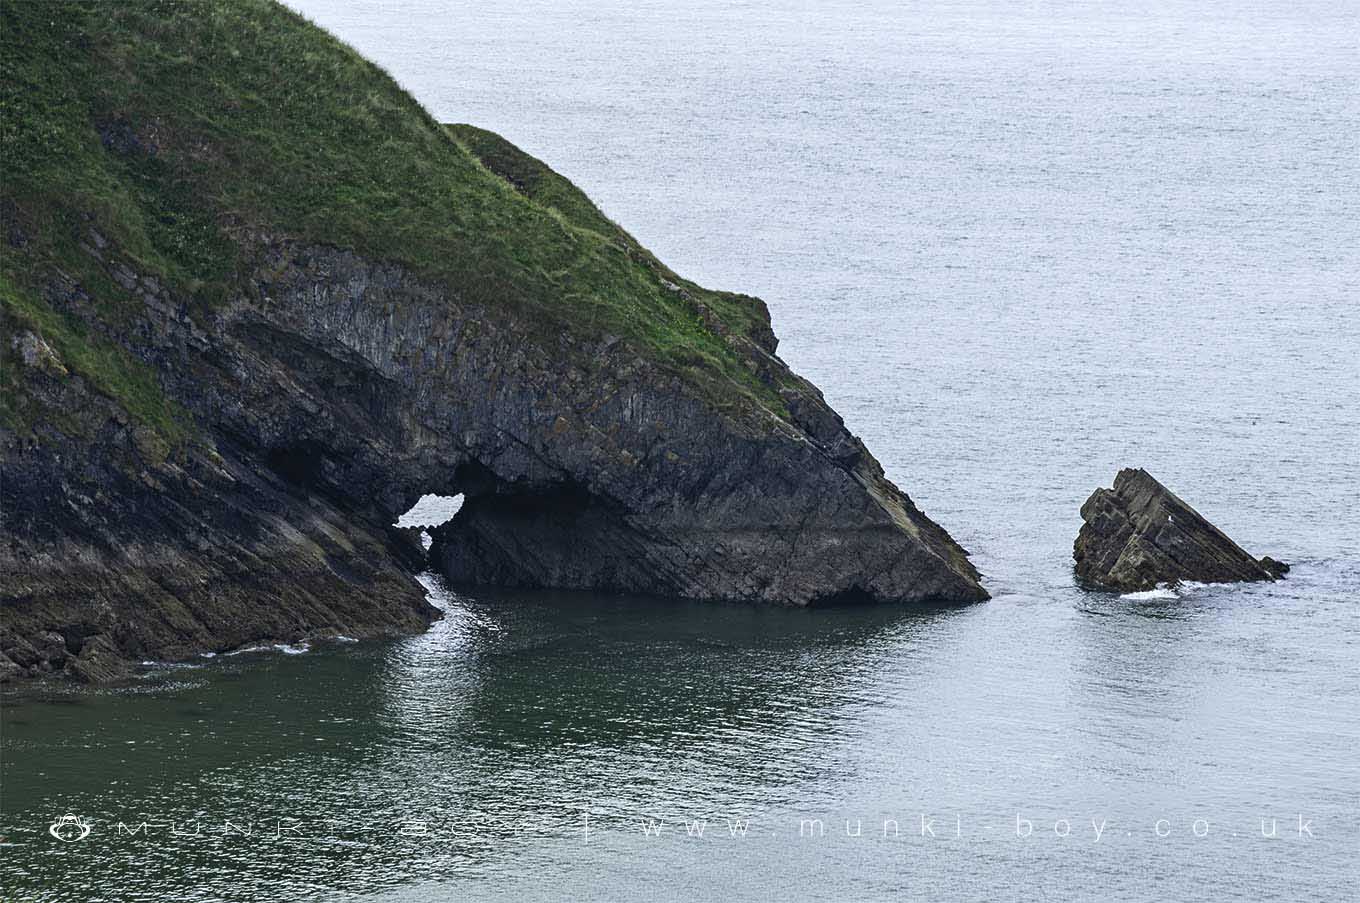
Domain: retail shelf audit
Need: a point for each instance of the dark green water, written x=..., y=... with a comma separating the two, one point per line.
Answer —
x=517, y=716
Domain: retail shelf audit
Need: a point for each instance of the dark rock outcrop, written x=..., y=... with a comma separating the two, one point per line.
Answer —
x=1139, y=534
x=114, y=548
x=346, y=391
x=218, y=400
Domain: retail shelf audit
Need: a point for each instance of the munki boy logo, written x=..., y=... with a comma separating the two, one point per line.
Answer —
x=69, y=828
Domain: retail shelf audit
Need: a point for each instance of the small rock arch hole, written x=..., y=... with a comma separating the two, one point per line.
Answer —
x=430, y=511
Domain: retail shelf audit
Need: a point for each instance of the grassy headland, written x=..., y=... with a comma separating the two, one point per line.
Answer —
x=184, y=131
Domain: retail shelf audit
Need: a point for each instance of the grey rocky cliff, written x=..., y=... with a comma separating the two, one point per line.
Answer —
x=584, y=465
x=249, y=313
x=1140, y=534
x=336, y=392
x=113, y=551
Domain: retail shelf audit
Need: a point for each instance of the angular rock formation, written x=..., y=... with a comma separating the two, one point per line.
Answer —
x=226, y=379
x=1139, y=534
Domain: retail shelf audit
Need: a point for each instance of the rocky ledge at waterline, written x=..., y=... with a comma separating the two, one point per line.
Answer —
x=256, y=302
x=1140, y=534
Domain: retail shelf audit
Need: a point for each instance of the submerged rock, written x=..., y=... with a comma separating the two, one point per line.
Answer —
x=1140, y=534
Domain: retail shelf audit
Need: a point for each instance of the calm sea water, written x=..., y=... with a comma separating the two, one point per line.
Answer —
x=1019, y=246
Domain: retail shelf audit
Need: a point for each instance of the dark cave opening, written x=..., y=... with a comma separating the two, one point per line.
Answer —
x=547, y=533
x=301, y=463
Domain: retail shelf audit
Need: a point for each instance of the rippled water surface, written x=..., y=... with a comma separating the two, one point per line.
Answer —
x=1019, y=246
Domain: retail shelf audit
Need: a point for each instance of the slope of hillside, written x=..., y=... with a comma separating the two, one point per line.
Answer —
x=256, y=301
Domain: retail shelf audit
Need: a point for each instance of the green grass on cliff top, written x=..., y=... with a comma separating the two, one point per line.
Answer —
x=106, y=366
x=180, y=129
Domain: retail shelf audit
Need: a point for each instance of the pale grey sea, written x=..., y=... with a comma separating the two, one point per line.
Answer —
x=1019, y=245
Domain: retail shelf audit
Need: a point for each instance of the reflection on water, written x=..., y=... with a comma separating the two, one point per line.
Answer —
x=476, y=750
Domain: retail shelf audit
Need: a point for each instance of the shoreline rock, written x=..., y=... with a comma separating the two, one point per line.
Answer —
x=1140, y=534
x=231, y=365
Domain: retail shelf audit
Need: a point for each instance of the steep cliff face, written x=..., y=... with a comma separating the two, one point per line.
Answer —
x=225, y=376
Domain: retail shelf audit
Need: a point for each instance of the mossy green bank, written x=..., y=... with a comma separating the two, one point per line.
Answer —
x=188, y=133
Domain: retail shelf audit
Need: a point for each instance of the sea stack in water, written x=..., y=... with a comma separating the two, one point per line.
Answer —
x=1140, y=534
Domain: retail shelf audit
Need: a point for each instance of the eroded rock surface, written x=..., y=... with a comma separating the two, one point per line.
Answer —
x=348, y=389
x=247, y=322
x=339, y=392
x=1140, y=534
